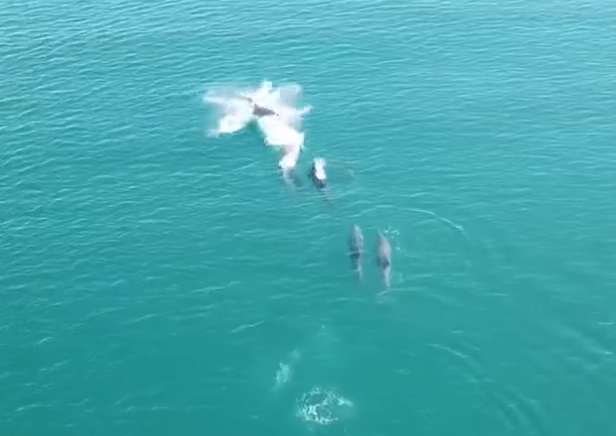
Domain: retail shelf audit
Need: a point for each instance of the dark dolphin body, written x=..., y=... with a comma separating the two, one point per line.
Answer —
x=383, y=257
x=317, y=173
x=259, y=111
x=319, y=177
x=356, y=247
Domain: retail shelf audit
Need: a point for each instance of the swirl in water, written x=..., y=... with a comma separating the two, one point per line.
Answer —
x=321, y=406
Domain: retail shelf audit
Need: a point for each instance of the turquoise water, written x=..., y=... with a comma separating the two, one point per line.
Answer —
x=157, y=281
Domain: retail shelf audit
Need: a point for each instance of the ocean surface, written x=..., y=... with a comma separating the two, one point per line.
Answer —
x=156, y=280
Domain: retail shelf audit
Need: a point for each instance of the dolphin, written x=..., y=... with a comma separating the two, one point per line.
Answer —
x=259, y=111
x=317, y=173
x=383, y=257
x=356, y=247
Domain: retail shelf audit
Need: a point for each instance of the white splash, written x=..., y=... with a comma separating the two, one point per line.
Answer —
x=319, y=168
x=322, y=406
x=282, y=129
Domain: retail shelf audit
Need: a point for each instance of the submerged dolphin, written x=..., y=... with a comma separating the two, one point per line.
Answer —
x=383, y=257
x=356, y=247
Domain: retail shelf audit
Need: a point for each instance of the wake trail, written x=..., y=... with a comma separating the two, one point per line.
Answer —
x=443, y=220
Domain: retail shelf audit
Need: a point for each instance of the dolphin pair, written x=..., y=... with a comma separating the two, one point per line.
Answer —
x=383, y=253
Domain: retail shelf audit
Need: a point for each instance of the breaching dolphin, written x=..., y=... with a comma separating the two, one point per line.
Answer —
x=317, y=173
x=259, y=111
